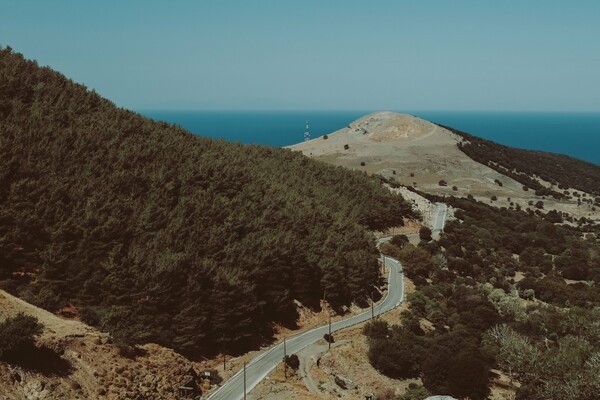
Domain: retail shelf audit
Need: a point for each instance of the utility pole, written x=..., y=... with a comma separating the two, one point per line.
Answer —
x=244, y=380
x=372, y=306
x=284, y=359
x=329, y=341
x=223, y=351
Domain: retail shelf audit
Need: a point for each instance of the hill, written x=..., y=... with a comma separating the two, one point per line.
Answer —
x=157, y=235
x=524, y=165
x=509, y=293
x=413, y=152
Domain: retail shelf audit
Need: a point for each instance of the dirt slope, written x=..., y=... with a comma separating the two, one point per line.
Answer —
x=91, y=366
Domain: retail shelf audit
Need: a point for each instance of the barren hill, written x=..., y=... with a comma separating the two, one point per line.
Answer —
x=418, y=153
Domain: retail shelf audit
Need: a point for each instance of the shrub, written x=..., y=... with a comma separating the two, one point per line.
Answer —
x=377, y=329
x=528, y=294
x=416, y=262
x=18, y=332
x=346, y=147
x=362, y=163
x=386, y=394
x=399, y=240
x=292, y=361
x=325, y=137
x=443, y=183
x=89, y=316
x=397, y=358
x=425, y=233
x=128, y=350
x=415, y=392
x=462, y=374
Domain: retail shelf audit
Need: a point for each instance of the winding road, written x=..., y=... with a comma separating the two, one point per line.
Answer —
x=440, y=218
x=262, y=365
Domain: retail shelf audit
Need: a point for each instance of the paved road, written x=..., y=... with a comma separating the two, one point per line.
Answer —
x=440, y=218
x=263, y=364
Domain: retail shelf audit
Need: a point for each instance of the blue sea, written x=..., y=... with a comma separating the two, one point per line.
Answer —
x=573, y=134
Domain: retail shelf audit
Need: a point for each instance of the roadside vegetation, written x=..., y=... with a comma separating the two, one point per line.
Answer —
x=501, y=289
x=156, y=235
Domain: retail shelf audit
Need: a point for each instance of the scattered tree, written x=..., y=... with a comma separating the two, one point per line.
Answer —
x=18, y=332
x=425, y=233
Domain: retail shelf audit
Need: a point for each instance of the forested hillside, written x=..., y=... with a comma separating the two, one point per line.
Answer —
x=522, y=165
x=155, y=234
x=501, y=289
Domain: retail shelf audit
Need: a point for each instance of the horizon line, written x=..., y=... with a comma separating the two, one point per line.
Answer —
x=407, y=111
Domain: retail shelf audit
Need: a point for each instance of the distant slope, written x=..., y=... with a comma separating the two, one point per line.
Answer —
x=409, y=151
x=564, y=171
x=158, y=235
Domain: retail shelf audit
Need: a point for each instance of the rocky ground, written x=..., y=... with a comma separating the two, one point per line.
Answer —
x=89, y=366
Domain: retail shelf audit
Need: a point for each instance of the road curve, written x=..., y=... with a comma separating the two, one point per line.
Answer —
x=263, y=364
x=440, y=217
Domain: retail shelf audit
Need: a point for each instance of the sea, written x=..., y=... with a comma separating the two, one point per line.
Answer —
x=570, y=133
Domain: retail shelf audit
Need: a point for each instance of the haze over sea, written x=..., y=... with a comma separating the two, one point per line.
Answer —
x=573, y=134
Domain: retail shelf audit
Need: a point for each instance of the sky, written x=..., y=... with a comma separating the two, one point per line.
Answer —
x=331, y=55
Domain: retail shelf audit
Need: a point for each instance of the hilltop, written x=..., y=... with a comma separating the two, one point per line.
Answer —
x=440, y=160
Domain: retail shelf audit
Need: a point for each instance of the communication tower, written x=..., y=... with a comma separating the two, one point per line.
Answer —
x=306, y=132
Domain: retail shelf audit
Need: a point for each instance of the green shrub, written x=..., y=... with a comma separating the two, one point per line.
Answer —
x=377, y=329
x=425, y=233
x=18, y=332
x=292, y=361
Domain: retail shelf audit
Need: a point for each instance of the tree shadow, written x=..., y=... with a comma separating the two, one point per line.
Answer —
x=42, y=360
x=130, y=351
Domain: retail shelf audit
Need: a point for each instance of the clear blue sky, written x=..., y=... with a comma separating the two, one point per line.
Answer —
x=347, y=54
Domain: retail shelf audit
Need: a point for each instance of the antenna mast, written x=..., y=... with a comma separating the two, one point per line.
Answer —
x=307, y=132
